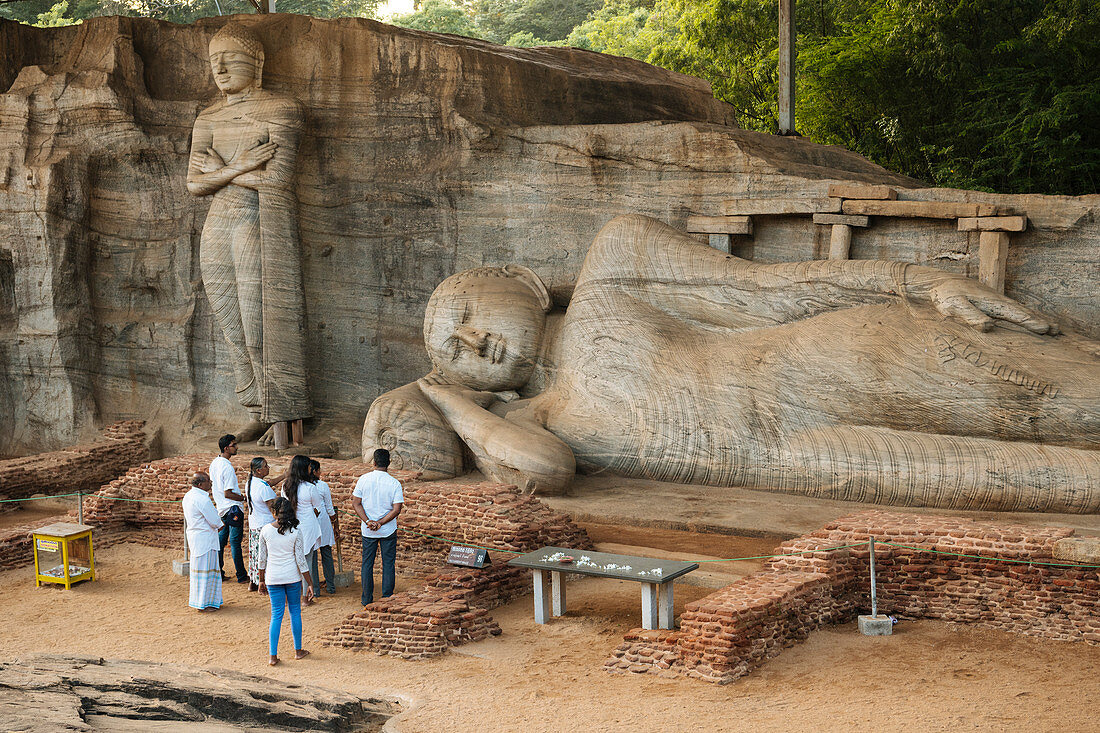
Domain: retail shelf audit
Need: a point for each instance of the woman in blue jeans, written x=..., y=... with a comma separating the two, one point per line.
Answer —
x=282, y=565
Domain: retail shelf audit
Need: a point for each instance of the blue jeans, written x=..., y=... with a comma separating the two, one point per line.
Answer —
x=330, y=572
x=282, y=597
x=389, y=561
x=233, y=533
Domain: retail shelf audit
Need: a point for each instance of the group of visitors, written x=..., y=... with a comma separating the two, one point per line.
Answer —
x=287, y=533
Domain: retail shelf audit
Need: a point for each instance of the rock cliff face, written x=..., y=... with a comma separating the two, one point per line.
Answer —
x=423, y=155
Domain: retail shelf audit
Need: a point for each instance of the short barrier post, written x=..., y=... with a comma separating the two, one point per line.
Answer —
x=874, y=595
x=874, y=625
x=80, y=507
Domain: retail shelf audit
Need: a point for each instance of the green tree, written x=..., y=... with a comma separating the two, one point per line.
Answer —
x=438, y=16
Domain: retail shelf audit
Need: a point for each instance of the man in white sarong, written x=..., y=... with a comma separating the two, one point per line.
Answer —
x=202, y=523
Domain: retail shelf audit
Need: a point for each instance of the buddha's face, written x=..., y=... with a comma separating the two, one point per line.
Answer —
x=484, y=332
x=235, y=69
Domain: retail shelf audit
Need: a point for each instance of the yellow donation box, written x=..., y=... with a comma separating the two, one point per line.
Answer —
x=63, y=554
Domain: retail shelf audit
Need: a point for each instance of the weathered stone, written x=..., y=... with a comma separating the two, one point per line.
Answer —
x=53, y=692
x=1078, y=549
x=779, y=207
x=719, y=224
x=845, y=219
x=852, y=191
x=993, y=224
x=919, y=209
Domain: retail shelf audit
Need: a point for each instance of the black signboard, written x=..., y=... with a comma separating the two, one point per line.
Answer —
x=470, y=557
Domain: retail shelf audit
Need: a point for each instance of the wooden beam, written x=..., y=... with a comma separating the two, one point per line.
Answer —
x=993, y=224
x=857, y=191
x=297, y=436
x=779, y=207
x=719, y=224
x=919, y=209
x=851, y=221
x=992, y=258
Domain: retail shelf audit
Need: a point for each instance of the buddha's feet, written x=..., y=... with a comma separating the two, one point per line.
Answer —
x=250, y=431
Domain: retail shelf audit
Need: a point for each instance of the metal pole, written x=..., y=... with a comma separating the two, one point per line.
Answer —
x=874, y=597
x=786, y=67
x=80, y=507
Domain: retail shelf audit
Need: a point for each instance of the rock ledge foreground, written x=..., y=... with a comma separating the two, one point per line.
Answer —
x=54, y=692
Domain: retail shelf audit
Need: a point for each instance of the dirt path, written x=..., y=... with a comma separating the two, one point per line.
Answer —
x=928, y=677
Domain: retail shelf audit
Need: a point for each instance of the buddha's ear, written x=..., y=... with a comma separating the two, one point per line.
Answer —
x=532, y=281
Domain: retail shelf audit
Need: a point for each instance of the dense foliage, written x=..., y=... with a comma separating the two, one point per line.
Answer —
x=989, y=94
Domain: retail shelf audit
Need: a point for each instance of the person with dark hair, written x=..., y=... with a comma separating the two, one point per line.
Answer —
x=300, y=491
x=378, y=499
x=329, y=531
x=260, y=498
x=202, y=522
x=229, y=502
x=282, y=565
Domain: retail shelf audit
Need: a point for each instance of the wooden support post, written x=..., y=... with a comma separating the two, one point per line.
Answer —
x=557, y=586
x=542, y=598
x=280, y=436
x=649, y=605
x=992, y=258
x=664, y=606
x=840, y=242
x=786, y=67
x=296, y=433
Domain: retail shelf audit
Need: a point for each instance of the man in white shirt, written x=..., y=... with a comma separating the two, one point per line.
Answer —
x=202, y=523
x=378, y=499
x=230, y=505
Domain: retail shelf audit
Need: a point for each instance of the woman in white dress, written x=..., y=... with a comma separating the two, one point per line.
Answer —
x=329, y=531
x=259, y=497
x=302, y=494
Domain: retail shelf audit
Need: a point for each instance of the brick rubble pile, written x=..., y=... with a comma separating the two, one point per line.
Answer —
x=726, y=634
x=79, y=468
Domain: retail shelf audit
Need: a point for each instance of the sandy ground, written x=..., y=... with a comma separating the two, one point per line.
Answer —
x=928, y=677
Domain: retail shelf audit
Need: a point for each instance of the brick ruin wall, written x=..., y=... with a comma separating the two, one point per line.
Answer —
x=728, y=633
x=79, y=468
x=450, y=607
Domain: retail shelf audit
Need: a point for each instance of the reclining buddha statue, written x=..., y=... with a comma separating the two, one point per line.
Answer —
x=870, y=381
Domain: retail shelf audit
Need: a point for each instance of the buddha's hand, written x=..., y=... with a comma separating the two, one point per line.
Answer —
x=211, y=161
x=439, y=390
x=977, y=305
x=254, y=157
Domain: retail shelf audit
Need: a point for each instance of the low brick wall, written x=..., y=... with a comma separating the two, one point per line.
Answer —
x=728, y=633
x=80, y=468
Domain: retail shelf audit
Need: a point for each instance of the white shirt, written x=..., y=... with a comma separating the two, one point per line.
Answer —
x=258, y=513
x=281, y=556
x=201, y=521
x=223, y=476
x=309, y=504
x=328, y=537
x=379, y=491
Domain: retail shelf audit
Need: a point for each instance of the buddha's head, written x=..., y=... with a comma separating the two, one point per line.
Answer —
x=483, y=327
x=236, y=58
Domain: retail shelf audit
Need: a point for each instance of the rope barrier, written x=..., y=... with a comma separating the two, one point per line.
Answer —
x=37, y=498
x=785, y=554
